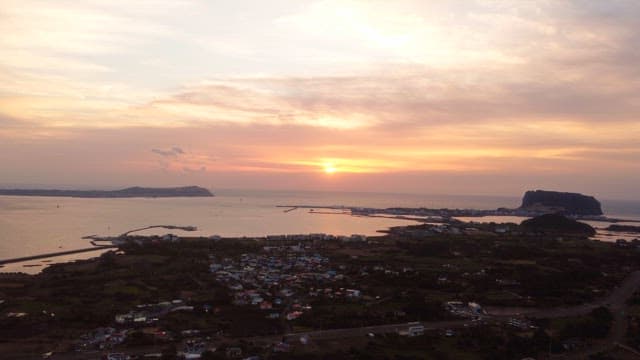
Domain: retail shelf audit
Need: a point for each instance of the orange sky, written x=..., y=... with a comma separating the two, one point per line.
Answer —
x=472, y=97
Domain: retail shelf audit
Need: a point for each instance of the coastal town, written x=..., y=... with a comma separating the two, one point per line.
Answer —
x=542, y=288
x=290, y=296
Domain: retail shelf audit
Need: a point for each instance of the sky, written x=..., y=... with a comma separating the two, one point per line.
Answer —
x=479, y=97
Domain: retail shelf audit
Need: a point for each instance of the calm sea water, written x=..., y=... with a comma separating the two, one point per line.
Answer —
x=34, y=225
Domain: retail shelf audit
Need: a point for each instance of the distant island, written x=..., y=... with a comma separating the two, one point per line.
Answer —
x=136, y=191
x=562, y=202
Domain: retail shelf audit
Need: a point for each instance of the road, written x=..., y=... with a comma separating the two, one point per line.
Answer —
x=616, y=301
x=376, y=329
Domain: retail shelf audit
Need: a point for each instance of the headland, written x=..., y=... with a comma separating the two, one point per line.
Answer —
x=136, y=191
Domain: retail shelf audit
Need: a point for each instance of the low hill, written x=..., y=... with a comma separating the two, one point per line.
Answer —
x=564, y=202
x=185, y=191
x=624, y=228
x=557, y=224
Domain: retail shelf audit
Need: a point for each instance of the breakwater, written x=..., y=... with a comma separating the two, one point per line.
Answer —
x=54, y=254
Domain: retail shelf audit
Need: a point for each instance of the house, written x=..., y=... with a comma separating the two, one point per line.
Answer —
x=282, y=347
x=194, y=349
x=215, y=267
x=501, y=229
x=294, y=315
x=399, y=313
x=622, y=243
x=286, y=292
x=273, y=315
x=471, y=309
x=416, y=330
x=124, y=318
x=190, y=332
x=170, y=238
x=475, y=308
x=573, y=344
x=256, y=299
x=234, y=352
x=521, y=324
x=118, y=337
x=358, y=238
x=507, y=282
x=412, y=331
x=181, y=308
x=117, y=356
x=454, y=305
x=266, y=305
x=351, y=293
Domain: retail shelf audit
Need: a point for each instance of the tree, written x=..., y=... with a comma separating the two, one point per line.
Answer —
x=170, y=353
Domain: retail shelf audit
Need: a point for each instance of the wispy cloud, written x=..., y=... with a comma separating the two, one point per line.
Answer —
x=411, y=62
x=405, y=87
x=174, y=151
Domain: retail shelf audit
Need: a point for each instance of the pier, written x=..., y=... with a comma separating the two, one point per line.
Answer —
x=54, y=254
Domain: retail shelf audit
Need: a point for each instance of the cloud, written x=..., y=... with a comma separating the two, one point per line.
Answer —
x=277, y=157
x=412, y=64
x=172, y=152
x=201, y=169
x=465, y=88
x=6, y=121
x=410, y=96
x=175, y=159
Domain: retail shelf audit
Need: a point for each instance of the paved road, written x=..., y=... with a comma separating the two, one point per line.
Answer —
x=376, y=329
x=616, y=301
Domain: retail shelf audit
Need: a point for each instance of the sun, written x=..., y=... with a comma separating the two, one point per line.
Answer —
x=329, y=168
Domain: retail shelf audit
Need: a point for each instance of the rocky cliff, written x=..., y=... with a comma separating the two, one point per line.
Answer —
x=564, y=202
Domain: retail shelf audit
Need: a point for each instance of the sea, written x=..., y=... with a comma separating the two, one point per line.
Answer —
x=36, y=225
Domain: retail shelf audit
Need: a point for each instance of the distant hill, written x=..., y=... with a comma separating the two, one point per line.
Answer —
x=557, y=224
x=563, y=202
x=185, y=191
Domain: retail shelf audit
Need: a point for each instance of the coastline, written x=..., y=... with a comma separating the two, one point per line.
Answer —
x=42, y=224
x=26, y=262
x=188, y=274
